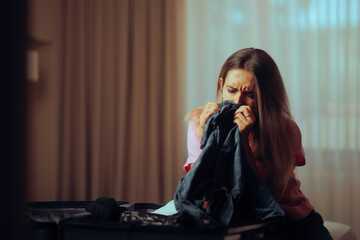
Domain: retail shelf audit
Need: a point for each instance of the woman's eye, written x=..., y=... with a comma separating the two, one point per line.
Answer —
x=231, y=90
x=250, y=94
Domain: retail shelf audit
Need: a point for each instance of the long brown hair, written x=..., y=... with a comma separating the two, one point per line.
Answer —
x=273, y=114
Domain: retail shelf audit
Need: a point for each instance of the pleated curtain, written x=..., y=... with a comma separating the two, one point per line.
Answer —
x=122, y=130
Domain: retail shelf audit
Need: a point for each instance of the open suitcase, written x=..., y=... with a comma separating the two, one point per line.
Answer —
x=42, y=219
x=78, y=220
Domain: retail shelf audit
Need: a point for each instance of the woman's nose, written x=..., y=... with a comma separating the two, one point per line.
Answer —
x=238, y=98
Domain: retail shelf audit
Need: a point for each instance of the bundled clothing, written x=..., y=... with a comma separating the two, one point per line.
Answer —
x=293, y=201
x=222, y=176
x=217, y=172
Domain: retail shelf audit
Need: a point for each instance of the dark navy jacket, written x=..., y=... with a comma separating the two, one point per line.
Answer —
x=222, y=176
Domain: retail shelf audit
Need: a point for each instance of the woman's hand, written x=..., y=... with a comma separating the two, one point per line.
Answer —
x=209, y=110
x=245, y=119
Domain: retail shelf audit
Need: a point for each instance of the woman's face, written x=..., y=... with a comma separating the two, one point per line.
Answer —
x=239, y=87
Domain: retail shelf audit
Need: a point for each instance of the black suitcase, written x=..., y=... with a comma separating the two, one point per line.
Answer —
x=42, y=218
x=74, y=220
x=136, y=229
x=87, y=229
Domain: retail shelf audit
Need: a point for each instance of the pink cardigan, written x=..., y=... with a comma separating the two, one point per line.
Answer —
x=293, y=201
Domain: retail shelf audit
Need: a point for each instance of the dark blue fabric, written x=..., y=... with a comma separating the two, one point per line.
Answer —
x=222, y=176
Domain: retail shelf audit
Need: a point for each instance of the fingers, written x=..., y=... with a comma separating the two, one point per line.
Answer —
x=244, y=118
x=246, y=112
x=210, y=109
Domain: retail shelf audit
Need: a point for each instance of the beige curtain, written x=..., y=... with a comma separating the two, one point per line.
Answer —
x=122, y=130
x=316, y=46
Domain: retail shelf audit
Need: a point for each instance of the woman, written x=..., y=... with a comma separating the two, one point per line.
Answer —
x=270, y=138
